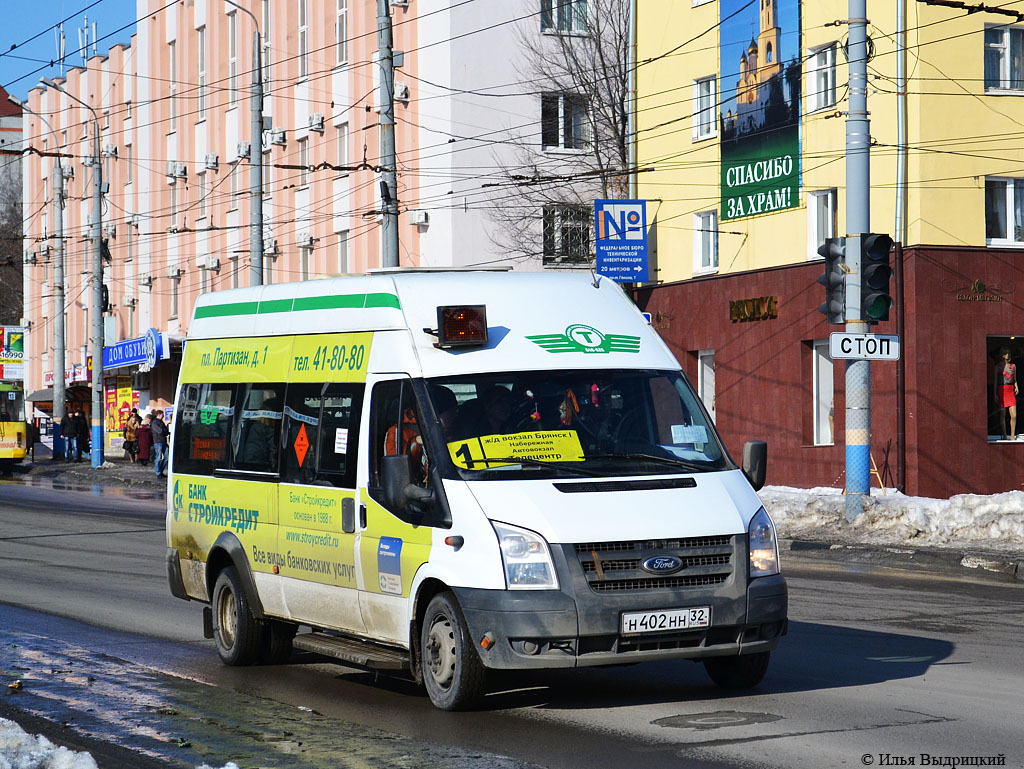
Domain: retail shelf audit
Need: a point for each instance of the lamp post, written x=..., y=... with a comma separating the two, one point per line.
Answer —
x=96, y=447
x=57, y=186
x=255, y=158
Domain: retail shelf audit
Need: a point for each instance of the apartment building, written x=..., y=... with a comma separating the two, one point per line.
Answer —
x=741, y=115
x=173, y=112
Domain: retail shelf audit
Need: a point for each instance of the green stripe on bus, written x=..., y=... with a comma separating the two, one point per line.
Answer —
x=335, y=302
x=222, y=310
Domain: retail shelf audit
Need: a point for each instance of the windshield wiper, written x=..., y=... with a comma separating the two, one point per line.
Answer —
x=697, y=467
x=533, y=463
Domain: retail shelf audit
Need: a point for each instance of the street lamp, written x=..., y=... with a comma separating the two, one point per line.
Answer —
x=59, y=344
x=96, y=451
x=255, y=159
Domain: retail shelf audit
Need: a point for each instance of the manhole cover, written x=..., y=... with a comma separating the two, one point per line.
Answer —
x=716, y=720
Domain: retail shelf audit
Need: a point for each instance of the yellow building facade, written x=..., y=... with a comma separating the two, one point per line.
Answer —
x=965, y=121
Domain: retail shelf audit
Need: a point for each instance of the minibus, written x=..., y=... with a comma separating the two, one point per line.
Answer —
x=442, y=474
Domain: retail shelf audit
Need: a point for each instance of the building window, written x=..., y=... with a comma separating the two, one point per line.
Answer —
x=1004, y=58
x=821, y=78
x=268, y=269
x=232, y=57
x=822, y=218
x=173, y=69
x=706, y=380
x=566, y=234
x=705, y=241
x=341, y=32
x=175, y=285
x=303, y=162
x=266, y=47
x=1004, y=211
x=201, y=90
x=128, y=164
x=304, y=252
x=173, y=207
x=341, y=133
x=203, y=191
x=343, y=252
x=303, y=40
x=1002, y=376
x=704, y=124
x=233, y=186
x=824, y=395
x=563, y=121
x=563, y=15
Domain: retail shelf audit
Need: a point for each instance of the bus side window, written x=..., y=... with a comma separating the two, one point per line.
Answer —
x=339, y=434
x=395, y=429
x=258, y=430
x=301, y=430
x=203, y=427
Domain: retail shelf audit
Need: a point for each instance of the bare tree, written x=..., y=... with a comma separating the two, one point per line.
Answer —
x=11, y=286
x=576, y=67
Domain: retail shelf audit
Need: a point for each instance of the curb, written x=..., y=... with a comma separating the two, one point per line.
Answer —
x=1001, y=567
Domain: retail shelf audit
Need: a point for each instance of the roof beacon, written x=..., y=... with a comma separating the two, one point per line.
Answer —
x=462, y=326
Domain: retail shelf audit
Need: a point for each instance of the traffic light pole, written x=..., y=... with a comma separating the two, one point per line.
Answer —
x=858, y=180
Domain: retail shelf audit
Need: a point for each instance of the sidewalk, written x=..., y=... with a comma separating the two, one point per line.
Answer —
x=116, y=471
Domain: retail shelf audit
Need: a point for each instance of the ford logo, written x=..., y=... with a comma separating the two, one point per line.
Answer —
x=662, y=564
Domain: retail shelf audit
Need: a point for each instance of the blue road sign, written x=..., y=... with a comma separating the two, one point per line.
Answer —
x=622, y=240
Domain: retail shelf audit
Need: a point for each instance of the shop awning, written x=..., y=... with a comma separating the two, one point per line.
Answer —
x=47, y=394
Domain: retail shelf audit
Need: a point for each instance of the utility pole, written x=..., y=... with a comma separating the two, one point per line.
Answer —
x=901, y=239
x=389, y=175
x=57, y=186
x=255, y=157
x=858, y=191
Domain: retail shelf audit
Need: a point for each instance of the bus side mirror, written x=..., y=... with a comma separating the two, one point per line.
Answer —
x=755, y=462
x=397, y=488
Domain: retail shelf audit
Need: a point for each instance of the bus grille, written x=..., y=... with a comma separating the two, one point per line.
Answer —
x=618, y=566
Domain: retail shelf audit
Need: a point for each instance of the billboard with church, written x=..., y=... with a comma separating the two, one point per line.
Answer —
x=759, y=106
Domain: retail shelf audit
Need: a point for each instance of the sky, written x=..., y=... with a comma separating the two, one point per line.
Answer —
x=21, y=68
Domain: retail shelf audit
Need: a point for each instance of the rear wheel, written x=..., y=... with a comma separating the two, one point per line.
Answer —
x=742, y=672
x=236, y=631
x=453, y=674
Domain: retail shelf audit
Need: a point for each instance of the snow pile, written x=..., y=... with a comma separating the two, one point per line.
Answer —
x=18, y=750
x=994, y=522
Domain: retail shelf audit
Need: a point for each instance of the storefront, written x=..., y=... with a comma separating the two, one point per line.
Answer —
x=135, y=375
x=756, y=347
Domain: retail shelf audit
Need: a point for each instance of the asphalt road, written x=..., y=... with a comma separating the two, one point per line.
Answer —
x=879, y=667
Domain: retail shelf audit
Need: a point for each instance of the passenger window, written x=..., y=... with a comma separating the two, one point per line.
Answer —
x=203, y=427
x=301, y=428
x=259, y=429
x=339, y=434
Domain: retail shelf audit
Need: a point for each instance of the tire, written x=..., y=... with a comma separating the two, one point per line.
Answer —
x=236, y=631
x=454, y=675
x=276, y=646
x=742, y=672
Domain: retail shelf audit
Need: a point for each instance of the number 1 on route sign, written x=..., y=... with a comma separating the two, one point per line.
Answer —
x=863, y=346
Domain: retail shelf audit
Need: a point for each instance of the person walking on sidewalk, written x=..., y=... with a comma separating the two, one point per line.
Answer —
x=144, y=438
x=69, y=431
x=159, y=430
x=131, y=426
x=82, y=432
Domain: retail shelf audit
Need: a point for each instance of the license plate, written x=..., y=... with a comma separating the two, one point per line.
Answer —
x=660, y=620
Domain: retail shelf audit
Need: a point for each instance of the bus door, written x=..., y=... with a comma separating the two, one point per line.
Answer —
x=317, y=504
x=393, y=544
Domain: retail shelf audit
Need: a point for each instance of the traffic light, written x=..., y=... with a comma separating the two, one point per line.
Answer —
x=875, y=300
x=834, y=280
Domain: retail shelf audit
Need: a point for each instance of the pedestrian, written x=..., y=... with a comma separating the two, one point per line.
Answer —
x=69, y=432
x=131, y=426
x=144, y=437
x=159, y=430
x=82, y=432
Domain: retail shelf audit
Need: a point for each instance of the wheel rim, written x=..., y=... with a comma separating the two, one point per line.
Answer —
x=227, y=618
x=441, y=651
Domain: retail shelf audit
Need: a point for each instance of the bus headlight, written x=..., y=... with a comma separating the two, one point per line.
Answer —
x=763, y=545
x=527, y=559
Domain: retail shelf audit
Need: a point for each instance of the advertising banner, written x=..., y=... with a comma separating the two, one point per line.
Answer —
x=759, y=108
x=12, y=353
x=124, y=400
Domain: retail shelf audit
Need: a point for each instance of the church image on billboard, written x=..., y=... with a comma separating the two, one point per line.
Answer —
x=759, y=112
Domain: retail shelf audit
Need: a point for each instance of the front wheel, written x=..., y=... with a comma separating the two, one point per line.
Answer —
x=235, y=630
x=453, y=673
x=742, y=672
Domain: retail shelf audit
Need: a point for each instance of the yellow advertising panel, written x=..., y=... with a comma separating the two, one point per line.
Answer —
x=254, y=359
x=391, y=551
x=317, y=556
x=496, y=450
x=330, y=357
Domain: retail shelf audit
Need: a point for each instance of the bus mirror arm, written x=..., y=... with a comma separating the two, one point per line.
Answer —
x=399, y=491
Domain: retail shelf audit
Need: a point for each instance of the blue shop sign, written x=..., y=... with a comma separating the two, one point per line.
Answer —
x=133, y=352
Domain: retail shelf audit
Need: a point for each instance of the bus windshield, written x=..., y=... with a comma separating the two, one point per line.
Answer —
x=574, y=423
x=12, y=405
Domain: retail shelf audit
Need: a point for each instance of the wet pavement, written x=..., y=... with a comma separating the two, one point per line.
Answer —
x=116, y=477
